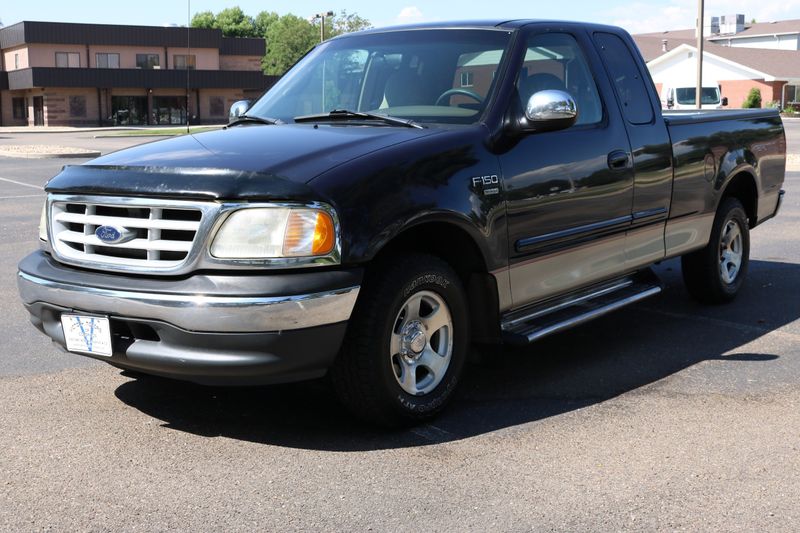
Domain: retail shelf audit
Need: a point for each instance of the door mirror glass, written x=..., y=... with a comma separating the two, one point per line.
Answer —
x=550, y=110
x=238, y=108
x=724, y=101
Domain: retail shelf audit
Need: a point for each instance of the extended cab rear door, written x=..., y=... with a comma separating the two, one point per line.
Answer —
x=651, y=147
x=569, y=192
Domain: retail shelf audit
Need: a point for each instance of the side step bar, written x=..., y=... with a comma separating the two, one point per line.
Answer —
x=540, y=320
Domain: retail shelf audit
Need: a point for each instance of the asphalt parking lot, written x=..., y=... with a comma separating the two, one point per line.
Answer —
x=664, y=416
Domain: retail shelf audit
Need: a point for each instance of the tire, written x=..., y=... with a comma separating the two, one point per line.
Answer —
x=383, y=373
x=715, y=274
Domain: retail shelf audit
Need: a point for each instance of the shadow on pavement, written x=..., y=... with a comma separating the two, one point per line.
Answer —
x=587, y=365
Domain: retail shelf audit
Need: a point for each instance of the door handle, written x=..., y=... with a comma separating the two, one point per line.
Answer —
x=618, y=160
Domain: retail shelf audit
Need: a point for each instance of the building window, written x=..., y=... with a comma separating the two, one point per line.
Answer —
x=169, y=110
x=77, y=106
x=467, y=78
x=791, y=94
x=16, y=61
x=147, y=61
x=129, y=110
x=18, y=105
x=107, y=60
x=216, y=106
x=68, y=60
x=184, y=62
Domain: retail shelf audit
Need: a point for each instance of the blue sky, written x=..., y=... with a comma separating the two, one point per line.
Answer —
x=634, y=15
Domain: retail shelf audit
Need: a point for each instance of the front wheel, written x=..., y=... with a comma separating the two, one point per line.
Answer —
x=406, y=342
x=716, y=273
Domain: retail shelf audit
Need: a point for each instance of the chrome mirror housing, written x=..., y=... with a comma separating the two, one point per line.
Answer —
x=550, y=110
x=238, y=108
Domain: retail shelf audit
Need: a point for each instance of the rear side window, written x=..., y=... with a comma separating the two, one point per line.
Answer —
x=628, y=81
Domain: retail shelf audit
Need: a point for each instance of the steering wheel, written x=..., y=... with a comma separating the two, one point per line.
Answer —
x=465, y=92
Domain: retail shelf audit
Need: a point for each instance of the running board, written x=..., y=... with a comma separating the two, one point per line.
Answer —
x=534, y=322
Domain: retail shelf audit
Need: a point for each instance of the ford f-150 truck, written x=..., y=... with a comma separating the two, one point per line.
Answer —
x=397, y=197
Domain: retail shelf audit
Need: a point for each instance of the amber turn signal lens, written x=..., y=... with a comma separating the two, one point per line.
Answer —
x=323, y=234
x=308, y=233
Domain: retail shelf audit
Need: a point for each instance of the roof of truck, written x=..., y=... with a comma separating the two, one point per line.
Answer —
x=501, y=24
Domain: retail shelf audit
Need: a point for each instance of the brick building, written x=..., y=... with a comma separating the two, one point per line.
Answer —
x=736, y=56
x=95, y=74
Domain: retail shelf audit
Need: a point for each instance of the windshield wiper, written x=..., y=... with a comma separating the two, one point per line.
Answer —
x=346, y=114
x=251, y=119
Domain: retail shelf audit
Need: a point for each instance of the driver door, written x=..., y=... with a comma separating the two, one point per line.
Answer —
x=569, y=192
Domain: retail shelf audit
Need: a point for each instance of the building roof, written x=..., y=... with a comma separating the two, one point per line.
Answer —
x=750, y=30
x=31, y=32
x=652, y=47
x=777, y=64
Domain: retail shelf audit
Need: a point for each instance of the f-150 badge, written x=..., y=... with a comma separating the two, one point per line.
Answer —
x=488, y=183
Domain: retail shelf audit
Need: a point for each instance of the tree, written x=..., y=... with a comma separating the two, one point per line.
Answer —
x=204, y=19
x=346, y=22
x=232, y=21
x=263, y=21
x=753, y=99
x=288, y=39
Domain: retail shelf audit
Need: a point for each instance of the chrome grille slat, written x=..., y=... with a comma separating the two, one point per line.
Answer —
x=166, y=232
x=136, y=244
x=99, y=220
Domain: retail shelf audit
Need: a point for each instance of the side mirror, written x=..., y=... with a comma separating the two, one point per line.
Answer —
x=670, y=103
x=724, y=101
x=549, y=110
x=238, y=108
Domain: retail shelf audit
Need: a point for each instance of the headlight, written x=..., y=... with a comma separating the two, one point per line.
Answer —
x=43, y=223
x=275, y=232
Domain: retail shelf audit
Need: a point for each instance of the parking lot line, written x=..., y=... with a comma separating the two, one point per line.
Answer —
x=22, y=183
x=21, y=196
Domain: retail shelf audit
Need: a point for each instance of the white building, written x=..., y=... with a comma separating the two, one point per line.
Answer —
x=737, y=57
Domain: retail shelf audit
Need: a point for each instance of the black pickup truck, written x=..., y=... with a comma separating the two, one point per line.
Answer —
x=397, y=197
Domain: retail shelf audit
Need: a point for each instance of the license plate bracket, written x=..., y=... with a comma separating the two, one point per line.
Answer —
x=87, y=334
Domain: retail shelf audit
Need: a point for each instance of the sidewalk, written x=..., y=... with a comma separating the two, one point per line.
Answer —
x=89, y=129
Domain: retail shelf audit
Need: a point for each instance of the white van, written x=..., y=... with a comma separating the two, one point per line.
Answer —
x=684, y=98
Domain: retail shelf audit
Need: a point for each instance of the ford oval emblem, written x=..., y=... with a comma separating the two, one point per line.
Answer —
x=114, y=235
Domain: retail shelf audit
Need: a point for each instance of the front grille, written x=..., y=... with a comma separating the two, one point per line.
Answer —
x=161, y=234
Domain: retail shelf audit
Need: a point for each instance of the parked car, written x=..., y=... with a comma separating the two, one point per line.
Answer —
x=397, y=197
x=686, y=98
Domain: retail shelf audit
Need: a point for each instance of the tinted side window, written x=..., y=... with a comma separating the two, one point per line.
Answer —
x=555, y=61
x=628, y=81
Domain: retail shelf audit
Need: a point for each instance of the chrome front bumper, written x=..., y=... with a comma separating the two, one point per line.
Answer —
x=211, y=328
x=202, y=313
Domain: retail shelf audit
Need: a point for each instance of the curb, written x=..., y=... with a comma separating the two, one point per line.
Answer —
x=127, y=135
x=33, y=155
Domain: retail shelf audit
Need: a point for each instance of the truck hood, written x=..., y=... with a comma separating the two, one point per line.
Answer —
x=243, y=162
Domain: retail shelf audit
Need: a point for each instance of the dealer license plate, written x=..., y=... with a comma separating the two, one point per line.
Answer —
x=87, y=334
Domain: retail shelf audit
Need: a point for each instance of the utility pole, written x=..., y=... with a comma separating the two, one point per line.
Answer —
x=188, y=55
x=321, y=18
x=699, y=88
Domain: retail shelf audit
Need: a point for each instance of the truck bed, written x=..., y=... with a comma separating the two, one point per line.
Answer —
x=695, y=116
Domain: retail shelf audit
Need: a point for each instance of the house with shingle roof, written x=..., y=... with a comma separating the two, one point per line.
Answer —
x=736, y=56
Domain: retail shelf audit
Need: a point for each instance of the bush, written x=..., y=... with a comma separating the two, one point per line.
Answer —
x=771, y=104
x=753, y=99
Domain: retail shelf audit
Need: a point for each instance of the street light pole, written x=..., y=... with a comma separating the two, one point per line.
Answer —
x=321, y=17
x=699, y=88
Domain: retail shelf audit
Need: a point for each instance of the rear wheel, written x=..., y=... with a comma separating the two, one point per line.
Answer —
x=716, y=273
x=406, y=342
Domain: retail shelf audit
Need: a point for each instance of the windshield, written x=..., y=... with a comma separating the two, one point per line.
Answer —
x=686, y=95
x=438, y=76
